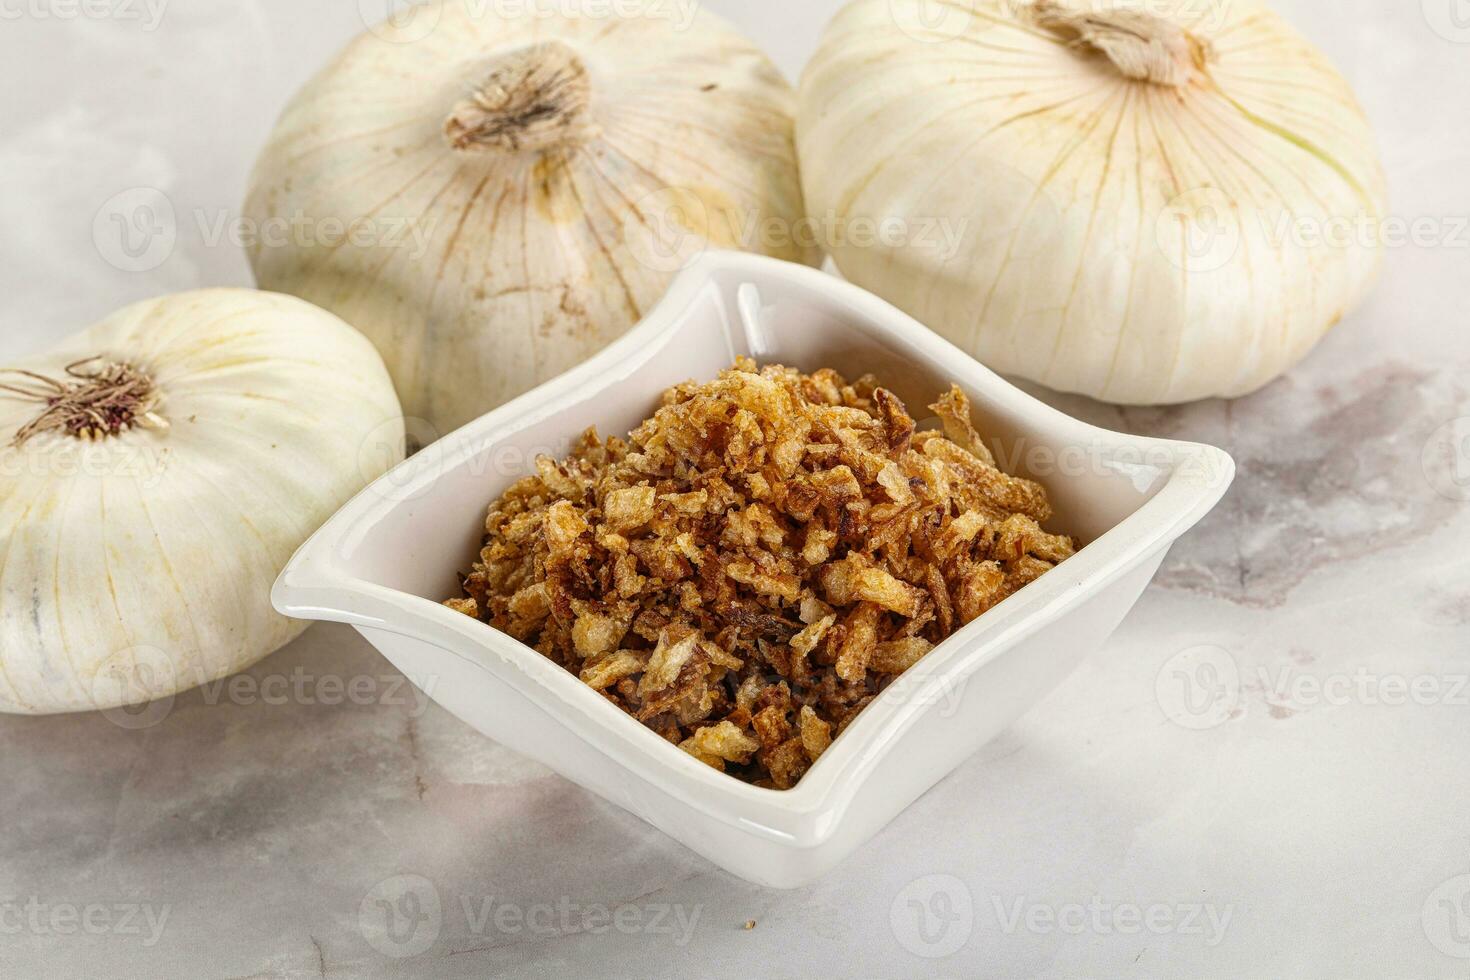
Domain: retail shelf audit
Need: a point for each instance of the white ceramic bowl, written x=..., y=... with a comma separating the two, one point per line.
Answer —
x=386, y=560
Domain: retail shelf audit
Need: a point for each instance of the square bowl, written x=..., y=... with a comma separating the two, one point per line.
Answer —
x=385, y=562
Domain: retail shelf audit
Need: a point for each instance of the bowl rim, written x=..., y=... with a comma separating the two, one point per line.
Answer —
x=316, y=584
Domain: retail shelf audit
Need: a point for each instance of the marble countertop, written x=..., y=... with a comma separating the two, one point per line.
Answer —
x=1317, y=824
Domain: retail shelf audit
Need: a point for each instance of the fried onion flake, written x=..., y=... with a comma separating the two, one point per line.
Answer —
x=752, y=565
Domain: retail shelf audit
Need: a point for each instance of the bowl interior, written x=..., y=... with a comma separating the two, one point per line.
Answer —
x=429, y=530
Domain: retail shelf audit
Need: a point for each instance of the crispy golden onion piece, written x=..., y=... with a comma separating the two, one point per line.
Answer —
x=754, y=564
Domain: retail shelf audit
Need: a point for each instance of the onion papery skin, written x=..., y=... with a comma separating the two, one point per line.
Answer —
x=1137, y=242
x=530, y=247
x=140, y=564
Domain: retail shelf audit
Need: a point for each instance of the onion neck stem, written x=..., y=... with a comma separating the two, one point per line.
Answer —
x=1142, y=46
x=534, y=99
x=95, y=399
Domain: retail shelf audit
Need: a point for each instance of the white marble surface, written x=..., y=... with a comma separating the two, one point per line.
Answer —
x=1320, y=828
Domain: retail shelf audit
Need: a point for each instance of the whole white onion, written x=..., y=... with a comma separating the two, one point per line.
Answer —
x=1146, y=202
x=523, y=183
x=157, y=471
